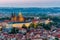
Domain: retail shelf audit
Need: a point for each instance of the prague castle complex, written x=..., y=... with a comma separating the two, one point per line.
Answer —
x=18, y=21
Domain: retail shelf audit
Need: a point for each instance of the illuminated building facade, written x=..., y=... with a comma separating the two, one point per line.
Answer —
x=18, y=18
x=18, y=21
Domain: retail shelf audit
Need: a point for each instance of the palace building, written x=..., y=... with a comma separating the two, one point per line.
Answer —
x=19, y=20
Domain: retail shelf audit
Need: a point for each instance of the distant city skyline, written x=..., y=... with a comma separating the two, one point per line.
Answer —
x=29, y=3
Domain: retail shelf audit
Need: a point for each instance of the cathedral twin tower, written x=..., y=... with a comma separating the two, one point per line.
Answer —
x=18, y=18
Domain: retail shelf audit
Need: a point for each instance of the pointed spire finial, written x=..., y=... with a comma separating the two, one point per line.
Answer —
x=20, y=13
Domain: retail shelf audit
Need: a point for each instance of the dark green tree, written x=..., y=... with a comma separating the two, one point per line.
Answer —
x=31, y=25
x=14, y=30
x=56, y=38
x=46, y=26
x=24, y=26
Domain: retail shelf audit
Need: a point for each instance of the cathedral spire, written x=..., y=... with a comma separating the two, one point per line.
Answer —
x=21, y=18
x=13, y=17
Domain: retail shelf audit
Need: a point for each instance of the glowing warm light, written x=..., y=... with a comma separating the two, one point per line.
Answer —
x=21, y=24
x=21, y=18
x=17, y=25
x=14, y=18
x=27, y=24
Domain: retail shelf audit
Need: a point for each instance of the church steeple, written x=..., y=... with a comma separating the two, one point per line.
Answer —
x=21, y=18
x=18, y=18
x=20, y=14
x=13, y=17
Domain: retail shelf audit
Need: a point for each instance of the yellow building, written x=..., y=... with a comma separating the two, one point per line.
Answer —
x=19, y=25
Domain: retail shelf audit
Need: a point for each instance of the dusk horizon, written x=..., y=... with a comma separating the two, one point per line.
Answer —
x=29, y=19
x=29, y=3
